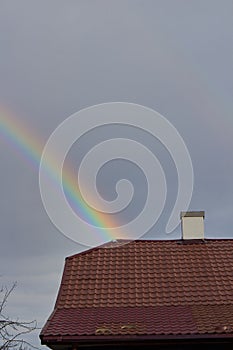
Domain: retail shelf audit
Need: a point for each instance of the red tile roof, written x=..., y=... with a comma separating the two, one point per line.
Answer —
x=146, y=288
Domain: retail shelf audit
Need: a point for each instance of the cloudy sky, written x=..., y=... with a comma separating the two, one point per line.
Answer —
x=58, y=57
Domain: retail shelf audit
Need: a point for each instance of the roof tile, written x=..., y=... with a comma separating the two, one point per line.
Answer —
x=146, y=288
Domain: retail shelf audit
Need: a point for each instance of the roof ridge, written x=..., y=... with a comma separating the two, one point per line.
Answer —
x=106, y=245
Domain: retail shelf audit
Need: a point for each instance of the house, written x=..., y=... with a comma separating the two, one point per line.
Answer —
x=158, y=294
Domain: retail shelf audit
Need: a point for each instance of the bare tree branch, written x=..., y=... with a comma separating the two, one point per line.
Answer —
x=12, y=331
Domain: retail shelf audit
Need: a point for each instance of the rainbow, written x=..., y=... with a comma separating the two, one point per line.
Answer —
x=27, y=144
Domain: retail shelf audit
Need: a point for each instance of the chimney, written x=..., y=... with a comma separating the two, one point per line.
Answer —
x=192, y=223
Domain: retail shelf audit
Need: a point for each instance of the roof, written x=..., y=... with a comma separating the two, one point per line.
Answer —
x=146, y=289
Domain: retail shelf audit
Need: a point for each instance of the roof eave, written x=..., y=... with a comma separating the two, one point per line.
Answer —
x=51, y=339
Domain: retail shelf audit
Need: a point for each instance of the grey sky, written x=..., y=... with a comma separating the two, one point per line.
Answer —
x=57, y=57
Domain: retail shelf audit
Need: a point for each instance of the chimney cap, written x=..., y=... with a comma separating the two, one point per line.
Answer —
x=192, y=214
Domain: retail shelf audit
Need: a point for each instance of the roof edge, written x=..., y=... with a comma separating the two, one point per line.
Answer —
x=110, y=338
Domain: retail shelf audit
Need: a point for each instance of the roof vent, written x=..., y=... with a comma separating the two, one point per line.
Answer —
x=192, y=223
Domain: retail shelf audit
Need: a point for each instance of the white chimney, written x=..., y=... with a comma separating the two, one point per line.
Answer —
x=192, y=223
